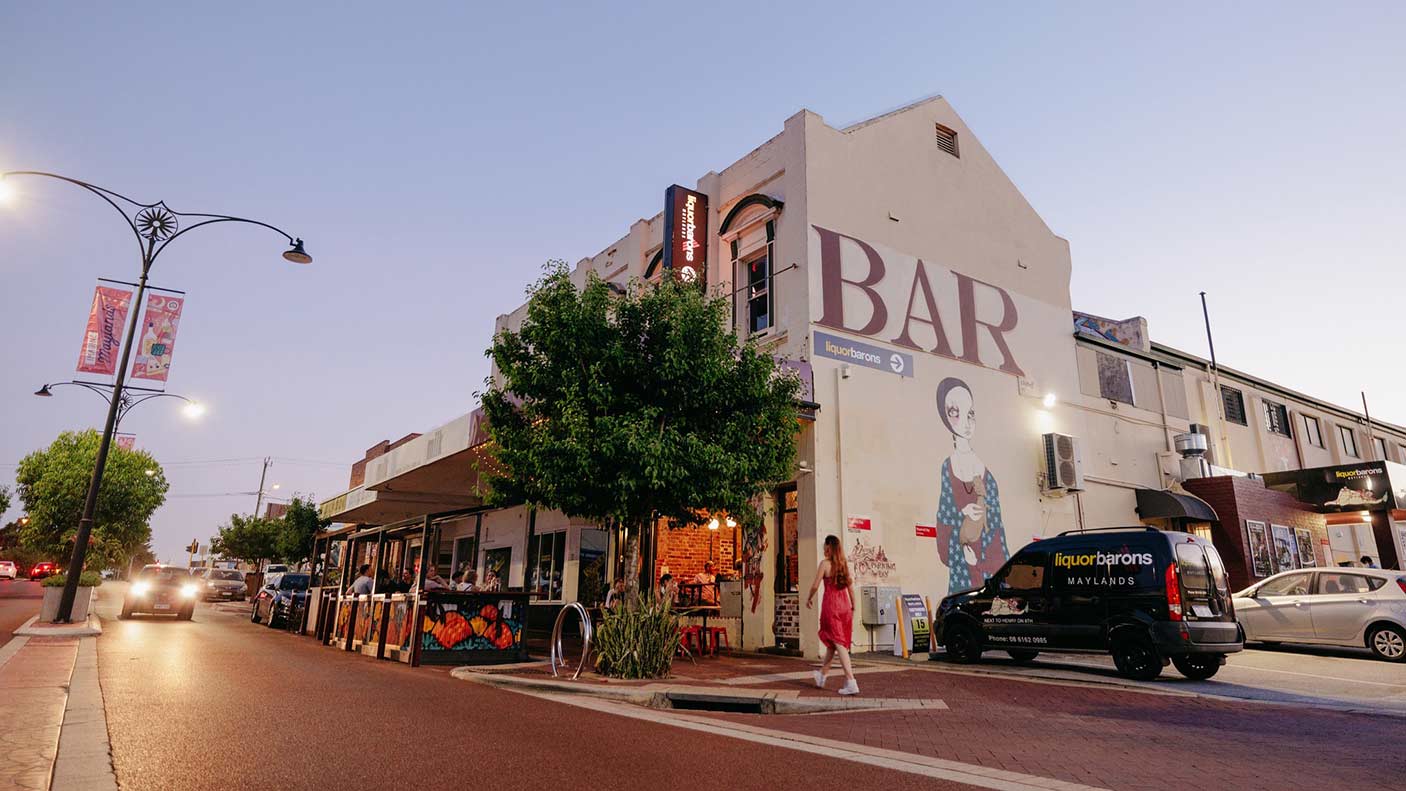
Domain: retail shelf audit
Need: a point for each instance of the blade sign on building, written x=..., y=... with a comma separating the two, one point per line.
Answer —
x=103, y=337
x=686, y=235
x=157, y=338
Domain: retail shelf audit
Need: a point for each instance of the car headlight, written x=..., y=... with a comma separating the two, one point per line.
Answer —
x=189, y=591
x=140, y=588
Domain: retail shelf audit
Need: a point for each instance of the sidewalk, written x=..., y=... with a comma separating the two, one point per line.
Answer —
x=53, y=732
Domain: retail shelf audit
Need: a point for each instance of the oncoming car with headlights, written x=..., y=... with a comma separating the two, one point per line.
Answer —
x=162, y=590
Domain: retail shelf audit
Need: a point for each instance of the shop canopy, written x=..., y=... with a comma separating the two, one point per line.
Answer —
x=1166, y=504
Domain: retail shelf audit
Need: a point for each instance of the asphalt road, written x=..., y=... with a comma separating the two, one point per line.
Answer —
x=19, y=601
x=220, y=703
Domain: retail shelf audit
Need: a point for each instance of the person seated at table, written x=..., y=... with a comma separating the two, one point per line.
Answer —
x=615, y=597
x=468, y=581
x=406, y=583
x=708, y=591
x=668, y=587
x=364, y=582
x=491, y=583
x=434, y=582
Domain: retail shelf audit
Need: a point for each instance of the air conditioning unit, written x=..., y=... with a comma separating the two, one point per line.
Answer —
x=1064, y=463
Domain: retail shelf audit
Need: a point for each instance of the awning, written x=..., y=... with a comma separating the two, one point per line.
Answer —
x=1164, y=504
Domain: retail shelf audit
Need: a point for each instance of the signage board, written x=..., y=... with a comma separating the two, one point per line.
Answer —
x=157, y=337
x=1346, y=487
x=917, y=633
x=925, y=531
x=125, y=441
x=865, y=354
x=103, y=336
x=686, y=235
x=859, y=523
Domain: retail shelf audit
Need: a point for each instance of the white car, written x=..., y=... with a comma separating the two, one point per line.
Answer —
x=1328, y=606
x=8, y=570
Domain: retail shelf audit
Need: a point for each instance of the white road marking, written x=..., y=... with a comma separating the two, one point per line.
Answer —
x=938, y=768
x=1318, y=676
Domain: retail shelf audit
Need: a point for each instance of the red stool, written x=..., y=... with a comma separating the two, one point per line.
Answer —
x=717, y=635
x=691, y=636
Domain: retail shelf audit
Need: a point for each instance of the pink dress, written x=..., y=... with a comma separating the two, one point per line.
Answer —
x=836, y=615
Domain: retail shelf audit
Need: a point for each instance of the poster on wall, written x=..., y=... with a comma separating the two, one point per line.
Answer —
x=1286, y=551
x=1305, y=539
x=157, y=338
x=497, y=565
x=1260, y=558
x=971, y=538
x=103, y=336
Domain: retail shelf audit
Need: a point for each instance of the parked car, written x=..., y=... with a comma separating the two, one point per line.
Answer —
x=161, y=590
x=1144, y=595
x=1328, y=606
x=43, y=569
x=274, y=601
x=222, y=585
x=276, y=568
x=8, y=570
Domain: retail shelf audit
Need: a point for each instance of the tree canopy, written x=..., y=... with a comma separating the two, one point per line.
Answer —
x=620, y=406
x=53, y=483
x=300, y=523
x=4, y=499
x=252, y=539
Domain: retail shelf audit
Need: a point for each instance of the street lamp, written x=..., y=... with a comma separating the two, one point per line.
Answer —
x=193, y=409
x=155, y=225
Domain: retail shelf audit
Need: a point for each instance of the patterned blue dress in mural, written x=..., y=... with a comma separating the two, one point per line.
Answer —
x=990, y=545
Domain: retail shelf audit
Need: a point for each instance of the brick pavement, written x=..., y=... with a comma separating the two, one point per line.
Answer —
x=33, y=693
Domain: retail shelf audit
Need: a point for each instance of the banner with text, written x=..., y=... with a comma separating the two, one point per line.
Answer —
x=125, y=441
x=157, y=339
x=103, y=337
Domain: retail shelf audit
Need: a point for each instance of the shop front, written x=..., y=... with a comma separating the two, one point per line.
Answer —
x=1364, y=506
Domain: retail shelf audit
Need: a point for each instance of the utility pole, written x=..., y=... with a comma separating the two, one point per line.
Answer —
x=1215, y=383
x=259, y=502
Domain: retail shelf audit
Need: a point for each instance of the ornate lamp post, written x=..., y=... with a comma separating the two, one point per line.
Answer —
x=125, y=401
x=155, y=225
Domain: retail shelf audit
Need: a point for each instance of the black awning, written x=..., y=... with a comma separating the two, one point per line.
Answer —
x=1160, y=504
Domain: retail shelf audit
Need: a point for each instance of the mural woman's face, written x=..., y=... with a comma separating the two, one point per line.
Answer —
x=961, y=413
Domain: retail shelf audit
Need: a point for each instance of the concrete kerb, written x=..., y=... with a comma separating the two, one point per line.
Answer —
x=31, y=628
x=84, y=757
x=670, y=696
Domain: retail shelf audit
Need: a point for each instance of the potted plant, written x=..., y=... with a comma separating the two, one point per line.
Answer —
x=53, y=592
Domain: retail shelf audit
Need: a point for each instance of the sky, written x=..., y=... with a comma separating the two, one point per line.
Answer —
x=433, y=156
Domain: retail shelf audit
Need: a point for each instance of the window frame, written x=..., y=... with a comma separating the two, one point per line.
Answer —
x=781, y=584
x=998, y=579
x=1346, y=433
x=1379, y=445
x=942, y=130
x=1313, y=431
x=1312, y=584
x=743, y=287
x=1099, y=357
x=1244, y=418
x=1276, y=418
x=556, y=564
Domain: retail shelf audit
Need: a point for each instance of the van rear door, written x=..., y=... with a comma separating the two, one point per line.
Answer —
x=1205, y=594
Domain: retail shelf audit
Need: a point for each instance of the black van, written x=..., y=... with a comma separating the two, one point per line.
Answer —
x=1144, y=595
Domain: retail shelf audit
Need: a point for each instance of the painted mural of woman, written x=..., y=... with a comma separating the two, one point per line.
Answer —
x=971, y=537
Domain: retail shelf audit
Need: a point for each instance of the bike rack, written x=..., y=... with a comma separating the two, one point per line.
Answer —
x=558, y=656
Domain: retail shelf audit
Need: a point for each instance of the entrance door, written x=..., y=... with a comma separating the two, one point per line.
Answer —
x=1342, y=604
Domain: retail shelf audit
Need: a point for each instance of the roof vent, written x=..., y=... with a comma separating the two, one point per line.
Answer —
x=947, y=140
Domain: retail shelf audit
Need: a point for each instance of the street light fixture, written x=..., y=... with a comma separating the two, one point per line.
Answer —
x=155, y=225
x=193, y=409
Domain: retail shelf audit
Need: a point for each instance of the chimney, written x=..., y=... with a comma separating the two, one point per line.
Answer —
x=1192, y=447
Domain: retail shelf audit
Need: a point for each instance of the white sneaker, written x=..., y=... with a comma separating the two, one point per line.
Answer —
x=851, y=688
x=819, y=679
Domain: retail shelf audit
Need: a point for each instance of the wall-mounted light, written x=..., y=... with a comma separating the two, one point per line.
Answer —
x=1049, y=400
x=713, y=525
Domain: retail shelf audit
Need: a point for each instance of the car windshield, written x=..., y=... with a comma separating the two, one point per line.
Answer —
x=226, y=574
x=297, y=582
x=156, y=574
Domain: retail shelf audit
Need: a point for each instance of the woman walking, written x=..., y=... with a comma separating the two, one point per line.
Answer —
x=836, y=613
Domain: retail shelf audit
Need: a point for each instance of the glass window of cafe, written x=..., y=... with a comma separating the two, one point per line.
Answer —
x=788, y=555
x=546, y=558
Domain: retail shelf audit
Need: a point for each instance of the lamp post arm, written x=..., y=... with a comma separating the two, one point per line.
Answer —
x=101, y=192
x=212, y=219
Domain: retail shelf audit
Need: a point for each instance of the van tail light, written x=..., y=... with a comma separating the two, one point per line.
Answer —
x=1173, y=593
x=1401, y=583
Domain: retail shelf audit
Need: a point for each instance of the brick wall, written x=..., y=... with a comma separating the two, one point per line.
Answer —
x=358, y=469
x=685, y=549
x=1238, y=499
x=787, y=626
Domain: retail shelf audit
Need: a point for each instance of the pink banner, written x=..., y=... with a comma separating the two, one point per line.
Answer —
x=126, y=441
x=156, y=338
x=103, y=337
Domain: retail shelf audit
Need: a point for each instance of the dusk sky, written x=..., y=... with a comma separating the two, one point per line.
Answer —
x=433, y=157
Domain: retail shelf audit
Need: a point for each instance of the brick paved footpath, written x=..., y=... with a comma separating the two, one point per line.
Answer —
x=33, y=694
x=1095, y=734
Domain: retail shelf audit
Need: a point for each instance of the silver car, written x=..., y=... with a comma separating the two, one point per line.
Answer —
x=1328, y=606
x=223, y=584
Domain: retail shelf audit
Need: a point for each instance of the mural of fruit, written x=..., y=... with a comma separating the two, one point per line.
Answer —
x=478, y=625
x=504, y=638
x=489, y=612
x=453, y=630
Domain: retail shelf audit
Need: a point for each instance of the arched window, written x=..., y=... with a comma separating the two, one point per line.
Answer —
x=749, y=231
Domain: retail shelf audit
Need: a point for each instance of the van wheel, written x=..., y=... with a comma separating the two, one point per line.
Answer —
x=963, y=644
x=1135, y=658
x=1022, y=655
x=1197, y=667
x=1388, y=642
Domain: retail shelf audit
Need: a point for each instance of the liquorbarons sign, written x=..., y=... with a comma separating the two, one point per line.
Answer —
x=103, y=337
x=686, y=234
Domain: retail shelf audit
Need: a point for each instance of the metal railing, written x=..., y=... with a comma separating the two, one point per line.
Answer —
x=558, y=656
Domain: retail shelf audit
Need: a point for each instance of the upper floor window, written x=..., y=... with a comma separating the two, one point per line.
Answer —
x=1312, y=431
x=755, y=273
x=1115, y=378
x=947, y=140
x=1233, y=401
x=1276, y=419
x=1349, y=439
x=1379, y=445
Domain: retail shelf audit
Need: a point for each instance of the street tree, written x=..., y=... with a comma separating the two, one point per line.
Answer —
x=53, y=484
x=4, y=499
x=300, y=523
x=619, y=407
x=252, y=539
